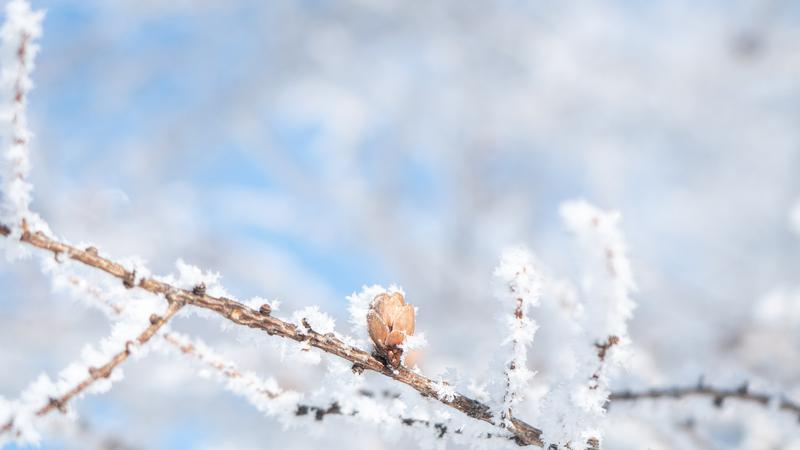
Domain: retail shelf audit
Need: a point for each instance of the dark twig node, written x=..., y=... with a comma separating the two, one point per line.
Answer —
x=57, y=404
x=199, y=289
x=129, y=280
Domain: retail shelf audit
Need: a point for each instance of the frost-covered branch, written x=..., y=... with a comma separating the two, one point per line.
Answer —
x=524, y=434
x=17, y=52
x=156, y=323
x=264, y=394
x=519, y=289
x=574, y=409
x=95, y=374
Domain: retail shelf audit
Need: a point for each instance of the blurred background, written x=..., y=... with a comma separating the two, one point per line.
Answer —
x=304, y=149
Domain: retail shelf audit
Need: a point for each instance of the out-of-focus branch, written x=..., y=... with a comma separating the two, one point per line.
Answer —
x=524, y=433
x=95, y=374
x=188, y=348
x=20, y=30
x=440, y=428
x=521, y=287
x=717, y=395
x=156, y=322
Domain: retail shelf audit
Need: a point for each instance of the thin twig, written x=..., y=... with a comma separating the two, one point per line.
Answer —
x=227, y=370
x=717, y=396
x=510, y=395
x=95, y=374
x=156, y=323
x=440, y=428
x=524, y=433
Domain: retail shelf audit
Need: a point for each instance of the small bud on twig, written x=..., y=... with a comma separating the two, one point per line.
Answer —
x=265, y=309
x=389, y=321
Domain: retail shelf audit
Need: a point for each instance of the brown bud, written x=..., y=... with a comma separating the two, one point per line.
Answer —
x=389, y=321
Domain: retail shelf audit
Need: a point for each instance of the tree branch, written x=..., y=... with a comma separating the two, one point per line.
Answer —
x=717, y=396
x=524, y=433
x=521, y=432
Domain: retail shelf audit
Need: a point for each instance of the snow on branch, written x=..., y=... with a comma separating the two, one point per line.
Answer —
x=93, y=374
x=574, y=409
x=264, y=394
x=519, y=289
x=607, y=276
x=21, y=29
